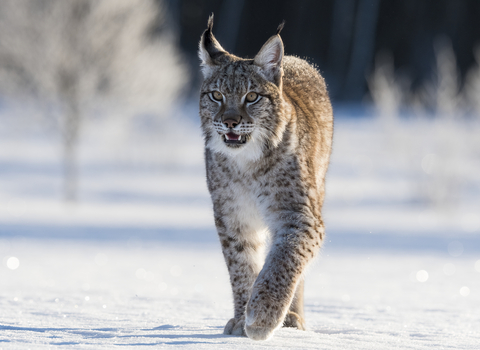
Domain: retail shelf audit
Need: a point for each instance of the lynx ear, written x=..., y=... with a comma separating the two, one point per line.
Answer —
x=209, y=50
x=270, y=57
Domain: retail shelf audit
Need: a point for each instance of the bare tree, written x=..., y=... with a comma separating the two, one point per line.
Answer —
x=435, y=151
x=74, y=57
x=472, y=85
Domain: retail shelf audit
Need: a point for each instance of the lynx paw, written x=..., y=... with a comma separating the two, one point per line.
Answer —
x=261, y=321
x=259, y=332
x=235, y=327
x=294, y=320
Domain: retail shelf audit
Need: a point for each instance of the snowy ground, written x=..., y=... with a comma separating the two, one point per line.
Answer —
x=136, y=261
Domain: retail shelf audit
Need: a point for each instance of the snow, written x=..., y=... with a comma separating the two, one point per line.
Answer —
x=142, y=292
x=136, y=262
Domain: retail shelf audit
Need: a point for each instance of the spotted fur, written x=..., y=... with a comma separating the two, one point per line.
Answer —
x=267, y=192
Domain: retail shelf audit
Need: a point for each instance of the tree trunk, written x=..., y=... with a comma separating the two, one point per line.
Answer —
x=340, y=42
x=229, y=23
x=363, y=48
x=70, y=134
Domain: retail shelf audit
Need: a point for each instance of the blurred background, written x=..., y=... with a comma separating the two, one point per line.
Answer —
x=99, y=130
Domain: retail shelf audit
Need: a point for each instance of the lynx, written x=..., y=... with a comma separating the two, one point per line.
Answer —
x=267, y=124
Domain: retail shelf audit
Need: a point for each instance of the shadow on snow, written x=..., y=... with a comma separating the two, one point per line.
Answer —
x=336, y=239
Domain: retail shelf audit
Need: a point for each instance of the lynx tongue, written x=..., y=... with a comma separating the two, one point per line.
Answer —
x=232, y=136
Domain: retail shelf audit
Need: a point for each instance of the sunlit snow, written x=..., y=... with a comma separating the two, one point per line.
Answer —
x=136, y=261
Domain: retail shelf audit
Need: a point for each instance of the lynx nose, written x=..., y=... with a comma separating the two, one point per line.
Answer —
x=232, y=121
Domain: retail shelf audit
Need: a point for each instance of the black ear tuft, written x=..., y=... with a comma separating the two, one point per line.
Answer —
x=209, y=49
x=210, y=23
x=279, y=28
x=210, y=44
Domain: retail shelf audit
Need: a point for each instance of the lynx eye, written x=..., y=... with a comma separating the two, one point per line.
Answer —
x=217, y=96
x=252, y=97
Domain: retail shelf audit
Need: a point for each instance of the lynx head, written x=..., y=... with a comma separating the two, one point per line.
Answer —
x=241, y=104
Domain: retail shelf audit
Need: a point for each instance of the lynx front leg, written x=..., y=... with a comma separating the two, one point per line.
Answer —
x=275, y=287
x=243, y=252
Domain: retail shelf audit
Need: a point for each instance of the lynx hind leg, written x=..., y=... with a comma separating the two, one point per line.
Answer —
x=295, y=316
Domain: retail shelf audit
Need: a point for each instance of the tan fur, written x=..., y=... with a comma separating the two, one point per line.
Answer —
x=269, y=188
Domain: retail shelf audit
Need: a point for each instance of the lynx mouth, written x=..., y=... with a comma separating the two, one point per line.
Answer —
x=234, y=139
